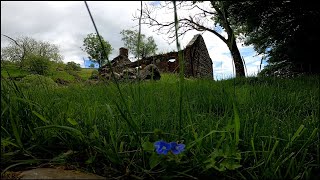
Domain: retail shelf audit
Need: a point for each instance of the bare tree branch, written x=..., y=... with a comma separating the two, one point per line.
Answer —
x=12, y=40
x=205, y=10
x=195, y=22
x=200, y=20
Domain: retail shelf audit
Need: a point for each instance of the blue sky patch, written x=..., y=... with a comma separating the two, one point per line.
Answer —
x=87, y=63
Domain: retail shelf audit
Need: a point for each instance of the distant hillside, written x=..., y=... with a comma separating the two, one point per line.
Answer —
x=55, y=73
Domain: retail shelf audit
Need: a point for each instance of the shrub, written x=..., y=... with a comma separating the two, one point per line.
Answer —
x=283, y=69
x=35, y=80
x=73, y=66
x=62, y=81
x=38, y=64
x=94, y=74
x=60, y=66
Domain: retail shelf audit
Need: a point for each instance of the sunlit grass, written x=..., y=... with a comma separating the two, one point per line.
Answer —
x=277, y=138
x=245, y=128
x=85, y=73
x=13, y=70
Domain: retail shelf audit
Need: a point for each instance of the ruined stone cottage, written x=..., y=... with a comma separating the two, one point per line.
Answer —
x=197, y=62
x=197, y=59
x=122, y=69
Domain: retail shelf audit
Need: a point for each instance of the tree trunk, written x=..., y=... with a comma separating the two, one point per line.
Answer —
x=237, y=60
x=231, y=41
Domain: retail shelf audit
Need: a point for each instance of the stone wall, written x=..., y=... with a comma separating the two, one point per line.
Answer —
x=196, y=57
x=161, y=61
x=118, y=64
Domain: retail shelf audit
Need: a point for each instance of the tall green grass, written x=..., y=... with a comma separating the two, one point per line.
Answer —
x=250, y=128
x=278, y=136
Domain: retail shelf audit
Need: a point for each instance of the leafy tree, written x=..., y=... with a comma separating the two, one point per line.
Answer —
x=93, y=47
x=24, y=48
x=147, y=47
x=38, y=64
x=213, y=18
x=91, y=65
x=73, y=66
x=286, y=32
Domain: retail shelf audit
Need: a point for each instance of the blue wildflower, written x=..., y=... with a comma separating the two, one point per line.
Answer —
x=162, y=147
x=177, y=148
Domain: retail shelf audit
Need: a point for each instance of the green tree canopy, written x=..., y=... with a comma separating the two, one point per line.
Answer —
x=73, y=66
x=285, y=31
x=147, y=47
x=93, y=47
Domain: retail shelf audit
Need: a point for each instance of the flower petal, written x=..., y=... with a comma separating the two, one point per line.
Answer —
x=162, y=147
x=173, y=144
x=181, y=147
x=157, y=144
x=177, y=148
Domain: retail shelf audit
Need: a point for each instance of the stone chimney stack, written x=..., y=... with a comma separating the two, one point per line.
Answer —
x=124, y=51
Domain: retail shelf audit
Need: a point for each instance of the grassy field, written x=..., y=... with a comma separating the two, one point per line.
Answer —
x=13, y=70
x=254, y=128
x=71, y=76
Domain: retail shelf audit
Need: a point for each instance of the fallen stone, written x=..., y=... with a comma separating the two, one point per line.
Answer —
x=150, y=71
x=52, y=173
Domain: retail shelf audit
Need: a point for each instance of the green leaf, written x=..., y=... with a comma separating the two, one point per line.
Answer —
x=230, y=164
x=154, y=160
x=72, y=131
x=95, y=131
x=40, y=116
x=121, y=146
x=72, y=121
x=236, y=123
x=300, y=130
x=109, y=110
x=200, y=139
x=220, y=168
x=90, y=160
x=15, y=130
x=148, y=146
x=6, y=142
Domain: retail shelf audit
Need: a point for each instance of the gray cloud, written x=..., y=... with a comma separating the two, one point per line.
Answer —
x=66, y=23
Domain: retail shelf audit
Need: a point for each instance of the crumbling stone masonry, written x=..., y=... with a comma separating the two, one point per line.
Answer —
x=197, y=61
x=122, y=70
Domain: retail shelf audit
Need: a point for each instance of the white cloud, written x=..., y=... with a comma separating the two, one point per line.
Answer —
x=66, y=23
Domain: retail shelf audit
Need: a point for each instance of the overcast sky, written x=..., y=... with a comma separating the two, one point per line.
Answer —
x=66, y=24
